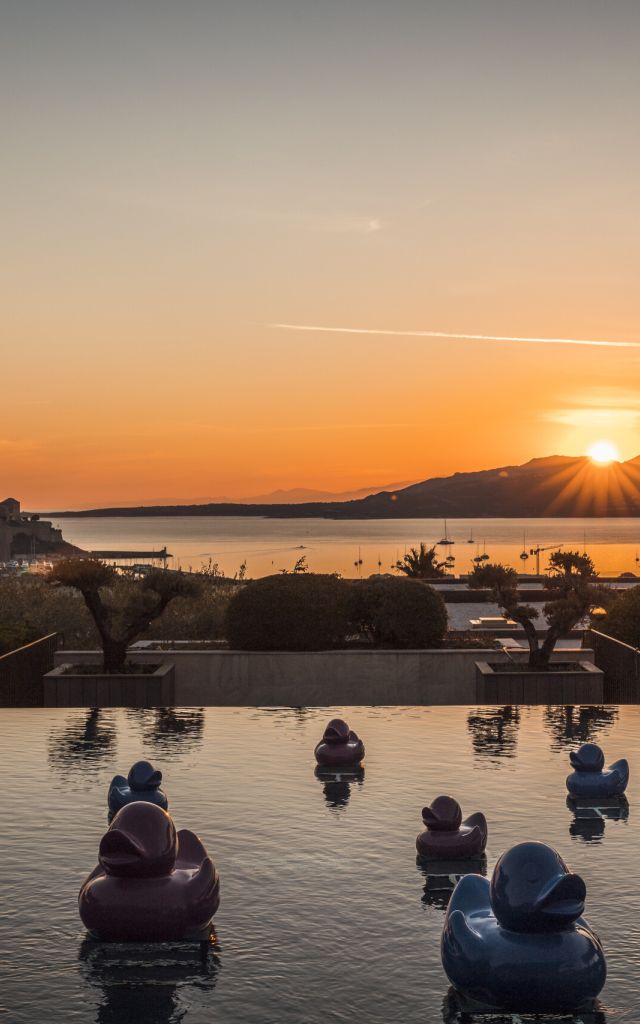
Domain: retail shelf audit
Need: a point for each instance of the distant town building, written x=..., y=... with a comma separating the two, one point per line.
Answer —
x=22, y=535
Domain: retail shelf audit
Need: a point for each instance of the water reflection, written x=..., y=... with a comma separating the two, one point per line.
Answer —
x=337, y=785
x=590, y=817
x=85, y=744
x=456, y=1010
x=494, y=731
x=441, y=878
x=572, y=725
x=169, y=730
x=142, y=983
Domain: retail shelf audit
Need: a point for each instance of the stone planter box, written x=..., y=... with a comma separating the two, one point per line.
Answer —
x=582, y=685
x=135, y=690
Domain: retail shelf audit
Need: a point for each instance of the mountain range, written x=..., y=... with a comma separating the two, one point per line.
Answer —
x=557, y=485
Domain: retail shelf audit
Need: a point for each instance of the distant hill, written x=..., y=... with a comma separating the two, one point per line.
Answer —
x=553, y=486
x=294, y=496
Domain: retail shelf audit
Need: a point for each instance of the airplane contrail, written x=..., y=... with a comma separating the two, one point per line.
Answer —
x=460, y=337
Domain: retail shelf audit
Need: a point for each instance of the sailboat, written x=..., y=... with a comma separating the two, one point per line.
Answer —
x=484, y=557
x=446, y=540
x=470, y=539
x=523, y=554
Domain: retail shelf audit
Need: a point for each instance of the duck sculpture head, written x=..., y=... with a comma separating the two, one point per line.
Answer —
x=443, y=815
x=143, y=777
x=532, y=890
x=589, y=758
x=337, y=731
x=141, y=843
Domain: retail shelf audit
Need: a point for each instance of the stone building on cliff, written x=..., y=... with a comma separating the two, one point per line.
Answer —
x=25, y=535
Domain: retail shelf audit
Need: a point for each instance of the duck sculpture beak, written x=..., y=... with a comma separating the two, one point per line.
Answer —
x=562, y=898
x=120, y=854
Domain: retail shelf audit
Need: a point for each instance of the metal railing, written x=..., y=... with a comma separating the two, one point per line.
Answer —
x=620, y=664
x=21, y=673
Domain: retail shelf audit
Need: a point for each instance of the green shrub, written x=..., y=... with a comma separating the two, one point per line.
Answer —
x=28, y=601
x=289, y=612
x=12, y=637
x=623, y=620
x=201, y=617
x=399, y=613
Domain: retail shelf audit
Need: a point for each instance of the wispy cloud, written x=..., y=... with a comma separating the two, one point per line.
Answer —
x=8, y=446
x=599, y=408
x=455, y=337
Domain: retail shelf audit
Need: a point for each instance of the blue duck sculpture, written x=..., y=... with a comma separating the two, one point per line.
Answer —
x=590, y=780
x=142, y=783
x=519, y=943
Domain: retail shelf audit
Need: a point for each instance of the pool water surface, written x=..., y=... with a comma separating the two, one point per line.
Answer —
x=325, y=916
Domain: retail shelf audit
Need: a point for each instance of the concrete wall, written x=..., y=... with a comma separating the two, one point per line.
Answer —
x=264, y=679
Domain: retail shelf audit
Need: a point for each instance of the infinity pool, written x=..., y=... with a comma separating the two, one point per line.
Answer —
x=324, y=915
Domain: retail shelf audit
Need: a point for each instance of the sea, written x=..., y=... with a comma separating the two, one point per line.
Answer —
x=357, y=548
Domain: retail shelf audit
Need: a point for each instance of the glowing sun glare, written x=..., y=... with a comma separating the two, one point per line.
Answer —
x=603, y=452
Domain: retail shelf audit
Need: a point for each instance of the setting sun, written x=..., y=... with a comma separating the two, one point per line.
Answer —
x=603, y=452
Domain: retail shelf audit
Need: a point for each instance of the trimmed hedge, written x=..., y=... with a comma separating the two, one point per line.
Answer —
x=399, y=612
x=623, y=620
x=289, y=612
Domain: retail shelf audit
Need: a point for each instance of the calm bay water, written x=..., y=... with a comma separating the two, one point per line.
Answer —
x=325, y=916
x=269, y=545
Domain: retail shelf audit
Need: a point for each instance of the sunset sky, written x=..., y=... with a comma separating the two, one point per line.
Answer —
x=182, y=179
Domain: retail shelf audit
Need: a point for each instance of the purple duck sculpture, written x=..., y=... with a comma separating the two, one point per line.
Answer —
x=339, y=746
x=152, y=884
x=447, y=836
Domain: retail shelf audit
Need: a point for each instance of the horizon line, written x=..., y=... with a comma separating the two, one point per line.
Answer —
x=458, y=337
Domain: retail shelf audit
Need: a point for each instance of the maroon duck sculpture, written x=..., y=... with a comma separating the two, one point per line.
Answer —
x=447, y=836
x=339, y=746
x=152, y=884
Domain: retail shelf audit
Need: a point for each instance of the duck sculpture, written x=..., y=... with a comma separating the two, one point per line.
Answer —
x=519, y=943
x=447, y=836
x=339, y=746
x=142, y=783
x=152, y=884
x=590, y=780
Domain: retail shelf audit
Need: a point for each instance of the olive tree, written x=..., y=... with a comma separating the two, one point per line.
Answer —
x=570, y=591
x=120, y=622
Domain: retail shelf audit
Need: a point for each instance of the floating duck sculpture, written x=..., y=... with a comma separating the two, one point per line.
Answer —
x=339, y=746
x=447, y=836
x=590, y=780
x=152, y=884
x=519, y=943
x=142, y=783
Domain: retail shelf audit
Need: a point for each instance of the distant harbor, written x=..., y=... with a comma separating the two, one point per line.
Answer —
x=356, y=548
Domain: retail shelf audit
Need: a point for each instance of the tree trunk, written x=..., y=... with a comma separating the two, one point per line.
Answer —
x=114, y=654
x=539, y=658
x=532, y=639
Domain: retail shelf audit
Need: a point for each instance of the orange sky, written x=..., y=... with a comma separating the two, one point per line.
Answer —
x=176, y=186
